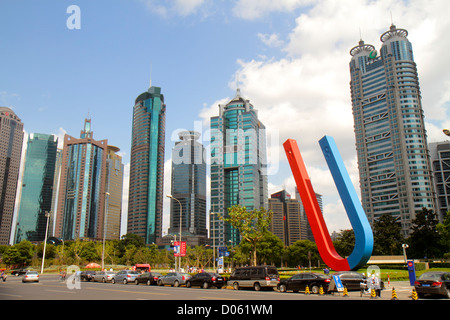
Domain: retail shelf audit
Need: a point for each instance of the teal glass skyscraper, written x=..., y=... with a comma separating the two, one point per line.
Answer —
x=391, y=141
x=145, y=201
x=37, y=187
x=238, y=165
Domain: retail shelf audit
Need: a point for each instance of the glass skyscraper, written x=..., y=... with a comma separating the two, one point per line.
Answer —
x=238, y=165
x=189, y=187
x=11, y=138
x=391, y=141
x=145, y=201
x=37, y=187
x=81, y=200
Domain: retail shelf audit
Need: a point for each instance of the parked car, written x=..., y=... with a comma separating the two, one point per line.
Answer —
x=124, y=276
x=254, y=277
x=148, y=278
x=19, y=272
x=299, y=282
x=352, y=280
x=103, y=276
x=433, y=282
x=30, y=276
x=174, y=279
x=206, y=280
x=87, y=275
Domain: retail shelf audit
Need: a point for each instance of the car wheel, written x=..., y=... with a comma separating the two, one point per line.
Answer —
x=136, y=282
x=176, y=283
x=315, y=289
x=125, y=281
x=188, y=284
x=283, y=288
x=236, y=286
x=159, y=283
x=257, y=286
x=205, y=285
x=103, y=280
x=149, y=282
x=113, y=280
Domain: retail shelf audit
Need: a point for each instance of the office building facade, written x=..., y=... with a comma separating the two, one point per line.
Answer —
x=393, y=158
x=440, y=162
x=114, y=189
x=238, y=165
x=189, y=187
x=36, y=197
x=11, y=139
x=81, y=199
x=287, y=223
x=145, y=201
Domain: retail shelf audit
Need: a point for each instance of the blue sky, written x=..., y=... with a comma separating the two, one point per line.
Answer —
x=291, y=58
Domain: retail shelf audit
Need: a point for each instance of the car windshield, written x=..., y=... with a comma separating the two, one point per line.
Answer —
x=430, y=276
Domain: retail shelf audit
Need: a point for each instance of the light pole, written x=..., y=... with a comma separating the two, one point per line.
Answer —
x=405, y=246
x=107, y=194
x=47, y=215
x=179, y=241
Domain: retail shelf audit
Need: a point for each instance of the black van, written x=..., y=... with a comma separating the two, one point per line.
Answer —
x=254, y=277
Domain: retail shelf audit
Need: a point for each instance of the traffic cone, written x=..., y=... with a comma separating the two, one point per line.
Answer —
x=394, y=294
x=307, y=290
x=414, y=294
x=373, y=294
x=345, y=293
x=321, y=291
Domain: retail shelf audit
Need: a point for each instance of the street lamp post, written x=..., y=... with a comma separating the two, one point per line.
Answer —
x=104, y=229
x=47, y=215
x=179, y=241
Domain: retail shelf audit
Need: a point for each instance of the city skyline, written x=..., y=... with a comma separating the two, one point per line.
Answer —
x=288, y=52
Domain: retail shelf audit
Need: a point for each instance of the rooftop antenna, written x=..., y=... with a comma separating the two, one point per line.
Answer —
x=360, y=34
x=392, y=20
x=151, y=71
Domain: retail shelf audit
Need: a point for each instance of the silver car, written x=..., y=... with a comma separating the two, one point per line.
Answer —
x=30, y=276
x=174, y=279
x=103, y=276
x=124, y=276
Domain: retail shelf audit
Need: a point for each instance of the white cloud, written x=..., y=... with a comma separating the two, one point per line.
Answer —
x=254, y=9
x=271, y=40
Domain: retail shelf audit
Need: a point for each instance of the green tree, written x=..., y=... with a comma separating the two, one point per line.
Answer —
x=301, y=253
x=345, y=242
x=444, y=232
x=425, y=241
x=387, y=234
x=26, y=250
x=252, y=225
x=12, y=256
x=270, y=249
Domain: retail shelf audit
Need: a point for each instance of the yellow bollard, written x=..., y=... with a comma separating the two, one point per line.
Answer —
x=307, y=290
x=394, y=294
x=373, y=294
x=321, y=291
x=345, y=294
x=414, y=294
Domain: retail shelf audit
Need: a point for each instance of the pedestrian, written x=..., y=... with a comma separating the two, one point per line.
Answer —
x=376, y=284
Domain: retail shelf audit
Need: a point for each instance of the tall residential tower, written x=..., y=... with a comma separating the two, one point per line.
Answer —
x=145, y=201
x=391, y=141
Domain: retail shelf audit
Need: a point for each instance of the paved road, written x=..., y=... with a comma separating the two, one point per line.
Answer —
x=51, y=288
